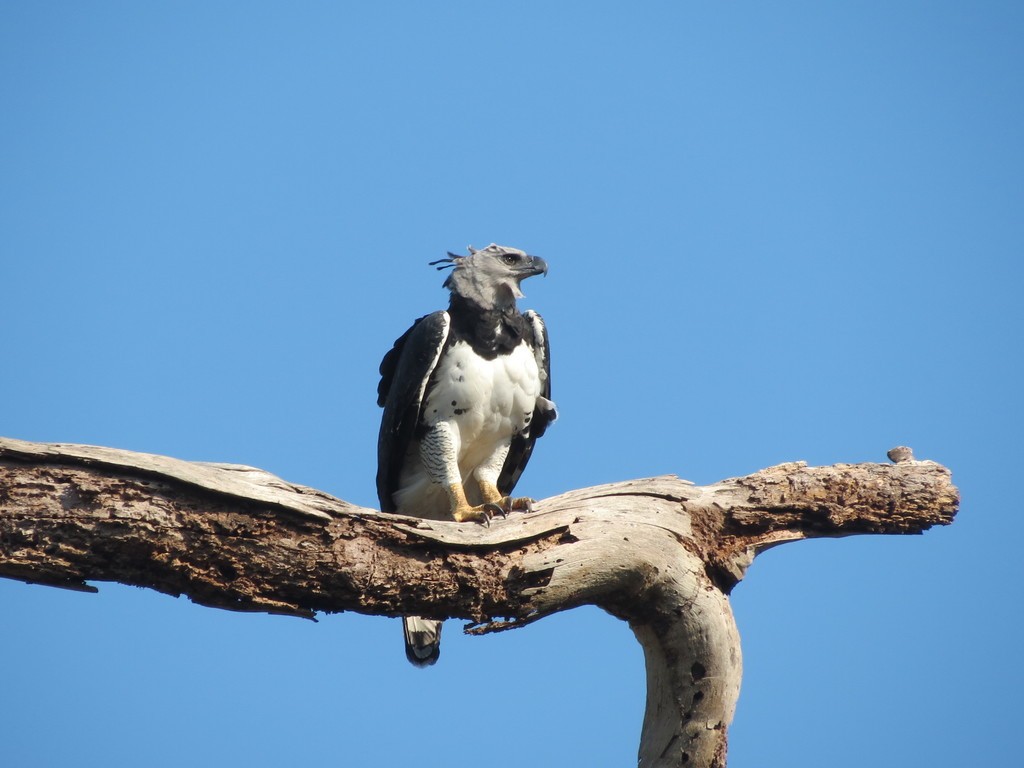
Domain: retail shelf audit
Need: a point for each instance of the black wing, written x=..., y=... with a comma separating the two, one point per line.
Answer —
x=522, y=444
x=405, y=375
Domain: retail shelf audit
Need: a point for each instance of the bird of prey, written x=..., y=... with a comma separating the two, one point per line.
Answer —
x=466, y=393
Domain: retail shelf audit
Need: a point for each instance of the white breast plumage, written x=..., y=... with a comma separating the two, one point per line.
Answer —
x=486, y=401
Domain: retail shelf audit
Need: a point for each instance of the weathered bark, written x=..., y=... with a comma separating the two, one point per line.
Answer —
x=660, y=553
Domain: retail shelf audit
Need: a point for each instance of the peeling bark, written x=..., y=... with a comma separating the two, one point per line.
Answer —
x=659, y=553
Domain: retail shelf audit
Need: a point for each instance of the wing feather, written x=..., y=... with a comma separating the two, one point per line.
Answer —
x=405, y=372
x=522, y=445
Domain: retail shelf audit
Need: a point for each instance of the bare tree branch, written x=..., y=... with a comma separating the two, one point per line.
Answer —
x=660, y=553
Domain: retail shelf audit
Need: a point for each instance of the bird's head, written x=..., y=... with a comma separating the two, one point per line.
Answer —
x=490, y=277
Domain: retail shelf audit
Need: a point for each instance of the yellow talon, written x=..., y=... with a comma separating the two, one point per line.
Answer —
x=506, y=504
x=463, y=511
x=494, y=504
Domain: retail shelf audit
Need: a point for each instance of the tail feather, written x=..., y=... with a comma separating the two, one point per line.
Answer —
x=422, y=640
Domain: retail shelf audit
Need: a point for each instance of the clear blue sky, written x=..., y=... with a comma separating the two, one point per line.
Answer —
x=776, y=232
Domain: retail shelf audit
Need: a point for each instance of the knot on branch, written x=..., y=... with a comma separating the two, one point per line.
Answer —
x=900, y=454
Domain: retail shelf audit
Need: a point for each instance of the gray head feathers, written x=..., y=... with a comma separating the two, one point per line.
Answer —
x=490, y=277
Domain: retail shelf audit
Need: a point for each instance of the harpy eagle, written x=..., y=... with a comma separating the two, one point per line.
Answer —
x=466, y=393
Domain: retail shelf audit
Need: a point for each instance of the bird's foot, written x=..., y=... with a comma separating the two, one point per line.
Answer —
x=484, y=512
x=507, y=504
x=494, y=504
x=464, y=512
x=503, y=505
x=481, y=513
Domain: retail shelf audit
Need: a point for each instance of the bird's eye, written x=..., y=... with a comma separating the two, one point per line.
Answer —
x=510, y=258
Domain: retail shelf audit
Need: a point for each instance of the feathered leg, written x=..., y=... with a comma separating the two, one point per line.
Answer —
x=439, y=452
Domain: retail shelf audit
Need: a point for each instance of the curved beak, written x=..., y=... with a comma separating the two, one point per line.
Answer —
x=536, y=266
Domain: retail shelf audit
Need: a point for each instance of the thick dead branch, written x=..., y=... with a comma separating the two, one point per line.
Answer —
x=660, y=553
